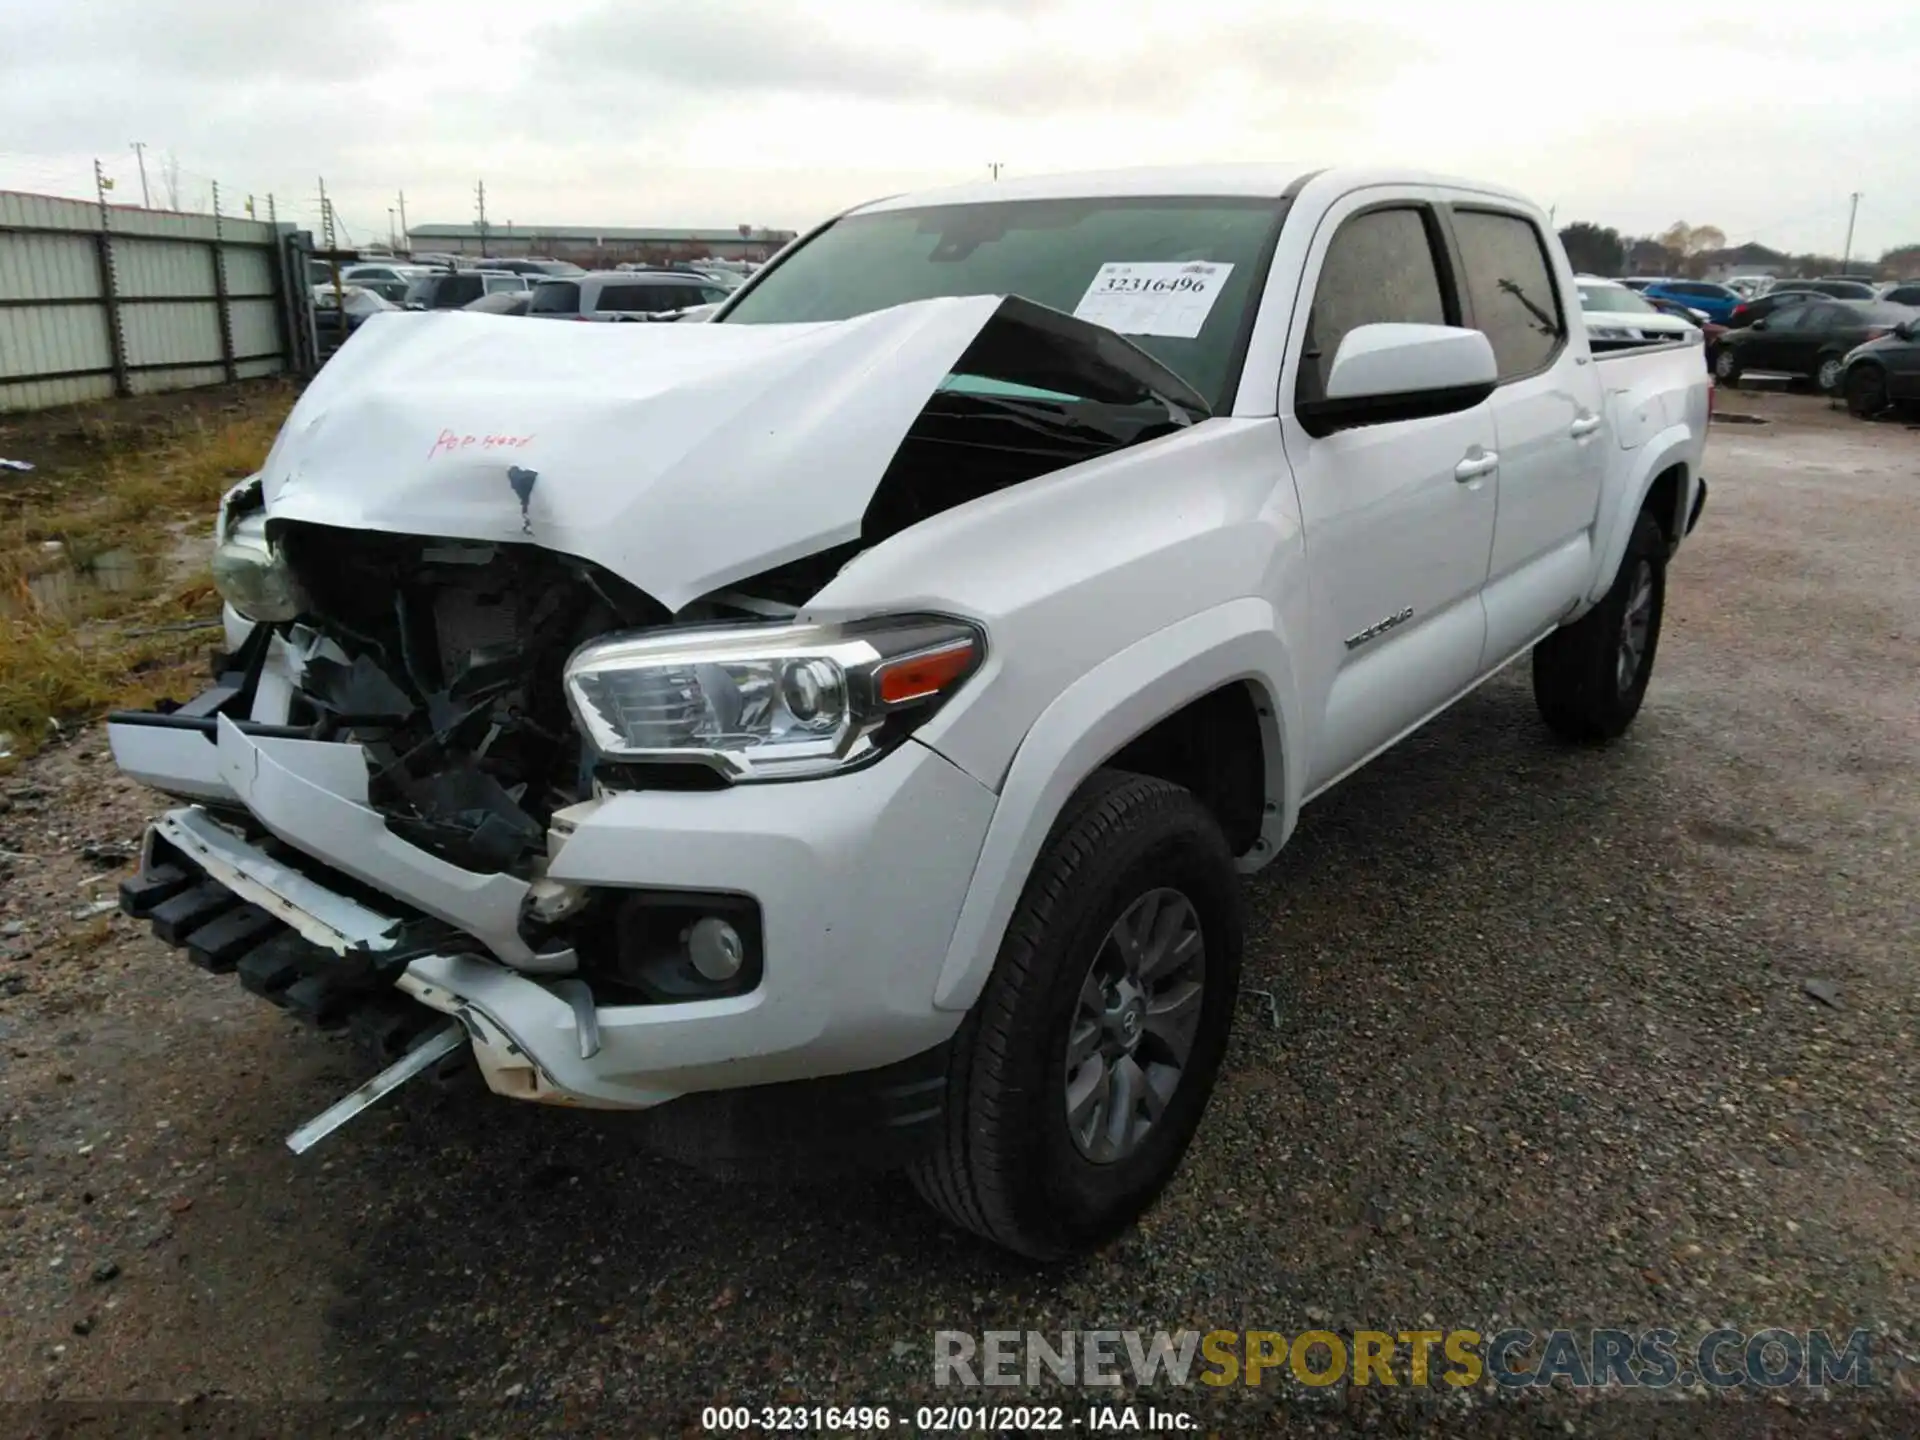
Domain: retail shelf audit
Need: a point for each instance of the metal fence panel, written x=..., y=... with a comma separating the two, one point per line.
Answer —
x=102, y=300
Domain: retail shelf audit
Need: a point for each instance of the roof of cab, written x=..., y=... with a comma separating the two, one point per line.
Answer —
x=1268, y=180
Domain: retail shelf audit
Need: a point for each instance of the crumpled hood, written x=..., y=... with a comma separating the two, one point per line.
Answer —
x=680, y=457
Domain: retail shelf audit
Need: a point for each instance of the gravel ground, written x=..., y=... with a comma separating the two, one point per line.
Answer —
x=1541, y=1051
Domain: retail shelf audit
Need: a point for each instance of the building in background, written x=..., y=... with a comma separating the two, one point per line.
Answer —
x=599, y=246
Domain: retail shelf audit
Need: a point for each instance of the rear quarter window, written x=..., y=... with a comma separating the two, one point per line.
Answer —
x=1510, y=287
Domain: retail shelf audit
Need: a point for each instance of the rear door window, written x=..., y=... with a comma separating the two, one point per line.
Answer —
x=645, y=299
x=1380, y=269
x=1511, y=289
x=459, y=290
x=555, y=297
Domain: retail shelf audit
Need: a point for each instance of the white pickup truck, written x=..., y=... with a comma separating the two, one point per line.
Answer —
x=837, y=730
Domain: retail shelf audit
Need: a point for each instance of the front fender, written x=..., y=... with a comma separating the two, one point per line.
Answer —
x=1090, y=721
x=1620, y=504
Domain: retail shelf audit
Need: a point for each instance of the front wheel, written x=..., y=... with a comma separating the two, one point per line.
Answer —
x=1827, y=374
x=1866, y=390
x=1081, y=1073
x=1726, y=367
x=1590, y=677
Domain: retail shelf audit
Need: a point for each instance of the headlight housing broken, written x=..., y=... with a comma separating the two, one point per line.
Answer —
x=768, y=702
x=251, y=574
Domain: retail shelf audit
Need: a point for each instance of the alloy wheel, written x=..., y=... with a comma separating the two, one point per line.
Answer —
x=1635, y=627
x=1133, y=1025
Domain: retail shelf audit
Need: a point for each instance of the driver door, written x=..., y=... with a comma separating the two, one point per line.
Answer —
x=1398, y=516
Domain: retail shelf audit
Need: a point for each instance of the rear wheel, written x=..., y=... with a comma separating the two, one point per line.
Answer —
x=1827, y=373
x=1590, y=677
x=1082, y=1071
x=1726, y=367
x=1866, y=390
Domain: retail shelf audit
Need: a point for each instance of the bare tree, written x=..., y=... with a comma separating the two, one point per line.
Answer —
x=170, y=179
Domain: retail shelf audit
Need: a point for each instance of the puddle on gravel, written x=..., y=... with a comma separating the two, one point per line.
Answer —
x=65, y=587
x=1729, y=417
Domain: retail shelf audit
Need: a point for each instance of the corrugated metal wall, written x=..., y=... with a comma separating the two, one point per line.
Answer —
x=100, y=302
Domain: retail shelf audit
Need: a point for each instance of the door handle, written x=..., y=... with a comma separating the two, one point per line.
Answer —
x=1584, y=427
x=1474, y=466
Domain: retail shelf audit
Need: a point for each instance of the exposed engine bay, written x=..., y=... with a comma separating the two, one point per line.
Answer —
x=449, y=674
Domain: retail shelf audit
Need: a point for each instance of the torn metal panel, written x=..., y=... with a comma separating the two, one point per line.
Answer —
x=417, y=1061
x=329, y=920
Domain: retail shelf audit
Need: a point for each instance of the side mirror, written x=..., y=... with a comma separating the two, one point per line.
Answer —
x=1907, y=330
x=1759, y=324
x=1387, y=373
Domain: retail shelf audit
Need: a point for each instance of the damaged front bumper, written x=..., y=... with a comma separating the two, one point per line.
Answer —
x=858, y=880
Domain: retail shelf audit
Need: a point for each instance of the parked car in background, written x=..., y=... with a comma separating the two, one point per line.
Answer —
x=1615, y=314
x=337, y=313
x=502, y=302
x=1716, y=300
x=451, y=289
x=389, y=282
x=1836, y=287
x=1885, y=371
x=535, y=266
x=727, y=280
x=382, y=270
x=1807, y=342
x=1749, y=286
x=1641, y=282
x=1674, y=308
x=1902, y=292
x=623, y=295
x=1760, y=308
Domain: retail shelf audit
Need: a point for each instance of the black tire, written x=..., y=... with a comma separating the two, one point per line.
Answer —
x=1006, y=1166
x=1823, y=381
x=1726, y=367
x=1866, y=390
x=1577, y=671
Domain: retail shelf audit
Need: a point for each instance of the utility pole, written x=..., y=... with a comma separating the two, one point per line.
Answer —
x=1552, y=210
x=326, y=238
x=403, y=222
x=480, y=200
x=996, y=166
x=1853, y=209
x=140, y=154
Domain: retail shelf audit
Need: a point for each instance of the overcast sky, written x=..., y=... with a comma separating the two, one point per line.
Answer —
x=1758, y=119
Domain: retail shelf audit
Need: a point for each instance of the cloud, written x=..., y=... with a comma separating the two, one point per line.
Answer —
x=944, y=53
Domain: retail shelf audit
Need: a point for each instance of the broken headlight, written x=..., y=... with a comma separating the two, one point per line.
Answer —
x=251, y=574
x=768, y=701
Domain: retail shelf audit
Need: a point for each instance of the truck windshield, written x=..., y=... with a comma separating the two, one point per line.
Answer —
x=1051, y=252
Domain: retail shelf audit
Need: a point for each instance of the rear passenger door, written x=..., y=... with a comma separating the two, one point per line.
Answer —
x=1398, y=516
x=1547, y=426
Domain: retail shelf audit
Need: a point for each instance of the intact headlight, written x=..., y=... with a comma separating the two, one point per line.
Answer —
x=767, y=701
x=251, y=575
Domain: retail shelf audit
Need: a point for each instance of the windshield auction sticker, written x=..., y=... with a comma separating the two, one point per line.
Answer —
x=1154, y=298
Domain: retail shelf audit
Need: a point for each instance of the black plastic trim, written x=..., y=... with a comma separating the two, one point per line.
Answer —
x=808, y=1129
x=1320, y=418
